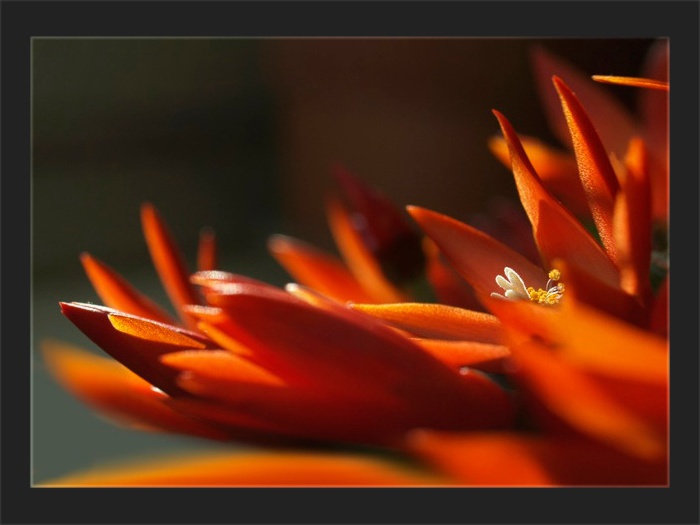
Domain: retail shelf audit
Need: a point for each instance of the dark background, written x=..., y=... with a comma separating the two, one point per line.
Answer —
x=238, y=134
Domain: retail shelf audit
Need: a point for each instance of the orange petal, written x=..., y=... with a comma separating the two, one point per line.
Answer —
x=558, y=170
x=206, y=252
x=512, y=460
x=168, y=262
x=437, y=321
x=449, y=287
x=317, y=269
x=135, y=346
x=360, y=261
x=557, y=232
x=576, y=399
x=588, y=288
x=589, y=339
x=654, y=107
x=477, y=257
x=632, y=227
x=596, y=172
x=383, y=229
x=613, y=122
x=632, y=81
x=289, y=469
x=150, y=331
x=117, y=293
x=457, y=354
x=222, y=366
x=352, y=352
x=113, y=389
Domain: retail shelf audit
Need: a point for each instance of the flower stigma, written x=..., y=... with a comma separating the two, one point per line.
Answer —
x=515, y=289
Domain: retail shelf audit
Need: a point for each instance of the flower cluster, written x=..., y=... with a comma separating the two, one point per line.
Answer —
x=506, y=378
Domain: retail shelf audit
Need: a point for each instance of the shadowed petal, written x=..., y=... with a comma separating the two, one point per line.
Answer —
x=168, y=262
x=383, y=228
x=117, y=293
x=251, y=470
x=449, y=287
x=511, y=460
x=119, y=393
x=359, y=259
x=659, y=310
x=654, y=107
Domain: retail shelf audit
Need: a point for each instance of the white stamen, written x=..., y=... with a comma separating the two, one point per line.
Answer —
x=514, y=286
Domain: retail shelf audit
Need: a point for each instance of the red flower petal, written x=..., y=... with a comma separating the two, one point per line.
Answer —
x=582, y=403
x=118, y=392
x=482, y=356
x=511, y=460
x=359, y=259
x=352, y=352
x=317, y=269
x=613, y=122
x=297, y=469
x=135, y=342
x=596, y=172
x=476, y=256
x=632, y=223
x=558, y=170
x=437, y=321
x=117, y=293
x=206, y=253
x=556, y=230
x=168, y=262
x=383, y=229
x=587, y=338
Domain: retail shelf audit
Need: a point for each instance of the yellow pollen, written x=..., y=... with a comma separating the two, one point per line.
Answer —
x=554, y=274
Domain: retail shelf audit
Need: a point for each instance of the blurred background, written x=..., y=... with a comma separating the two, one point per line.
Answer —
x=239, y=135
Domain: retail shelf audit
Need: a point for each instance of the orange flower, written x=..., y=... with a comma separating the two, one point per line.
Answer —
x=261, y=364
x=557, y=375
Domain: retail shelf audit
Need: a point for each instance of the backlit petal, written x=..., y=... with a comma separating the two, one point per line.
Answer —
x=168, y=262
x=317, y=269
x=557, y=232
x=437, y=321
x=117, y=293
x=137, y=343
x=596, y=172
x=613, y=122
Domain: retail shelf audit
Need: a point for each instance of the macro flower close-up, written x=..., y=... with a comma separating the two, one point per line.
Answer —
x=519, y=343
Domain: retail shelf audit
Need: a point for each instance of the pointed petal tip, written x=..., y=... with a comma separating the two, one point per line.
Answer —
x=279, y=242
